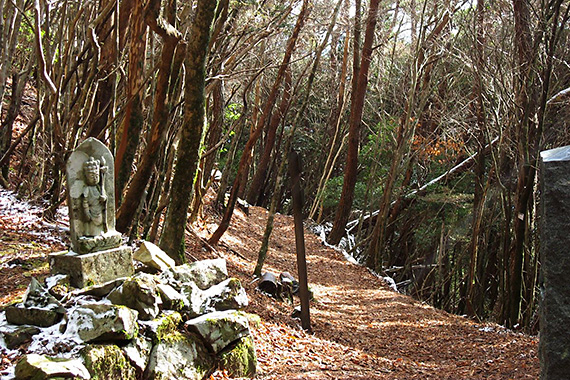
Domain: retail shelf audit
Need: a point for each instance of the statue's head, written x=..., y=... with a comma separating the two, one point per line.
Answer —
x=91, y=169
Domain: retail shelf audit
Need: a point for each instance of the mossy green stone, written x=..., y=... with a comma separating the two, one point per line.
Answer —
x=164, y=326
x=241, y=360
x=107, y=362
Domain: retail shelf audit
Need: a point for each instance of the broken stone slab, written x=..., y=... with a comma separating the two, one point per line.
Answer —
x=196, y=300
x=21, y=315
x=38, y=296
x=220, y=329
x=93, y=268
x=227, y=295
x=107, y=362
x=140, y=293
x=34, y=366
x=58, y=285
x=138, y=353
x=204, y=273
x=103, y=323
x=171, y=298
x=14, y=336
x=101, y=290
x=180, y=356
x=39, y=308
x=240, y=360
x=151, y=255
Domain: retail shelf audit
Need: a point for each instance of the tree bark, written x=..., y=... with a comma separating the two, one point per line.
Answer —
x=161, y=115
x=172, y=238
x=356, y=109
x=255, y=194
x=132, y=125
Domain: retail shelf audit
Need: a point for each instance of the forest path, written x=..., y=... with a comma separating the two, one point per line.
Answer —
x=361, y=328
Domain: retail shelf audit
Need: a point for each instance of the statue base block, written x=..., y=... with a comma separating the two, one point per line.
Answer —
x=93, y=268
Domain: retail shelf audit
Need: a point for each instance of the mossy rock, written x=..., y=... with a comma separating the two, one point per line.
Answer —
x=34, y=366
x=160, y=328
x=179, y=356
x=171, y=298
x=140, y=293
x=138, y=353
x=240, y=361
x=220, y=329
x=103, y=323
x=227, y=295
x=107, y=362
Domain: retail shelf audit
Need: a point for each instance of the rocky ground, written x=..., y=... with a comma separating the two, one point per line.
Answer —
x=361, y=328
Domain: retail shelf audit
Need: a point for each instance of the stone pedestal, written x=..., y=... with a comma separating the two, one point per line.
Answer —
x=93, y=268
x=554, y=346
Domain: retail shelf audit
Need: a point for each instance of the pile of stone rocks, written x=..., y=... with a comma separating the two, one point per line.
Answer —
x=163, y=322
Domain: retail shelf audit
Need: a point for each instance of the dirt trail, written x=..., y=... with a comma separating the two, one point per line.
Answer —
x=361, y=328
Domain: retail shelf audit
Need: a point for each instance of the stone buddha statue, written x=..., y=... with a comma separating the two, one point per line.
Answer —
x=91, y=199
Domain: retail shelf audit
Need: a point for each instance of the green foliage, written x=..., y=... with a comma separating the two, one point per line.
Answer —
x=26, y=38
x=232, y=112
x=332, y=192
x=374, y=161
x=376, y=151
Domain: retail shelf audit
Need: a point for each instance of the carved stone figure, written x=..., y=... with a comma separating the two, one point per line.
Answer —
x=91, y=198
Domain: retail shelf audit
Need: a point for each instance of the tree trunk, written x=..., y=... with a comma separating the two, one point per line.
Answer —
x=132, y=125
x=255, y=194
x=525, y=133
x=208, y=161
x=19, y=81
x=276, y=194
x=406, y=130
x=161, y=115
x=335, y=125
x=356, y=109
x=475, y=289
x=172, y=238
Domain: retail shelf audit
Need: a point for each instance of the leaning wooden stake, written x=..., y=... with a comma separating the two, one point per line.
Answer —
x=297, y=193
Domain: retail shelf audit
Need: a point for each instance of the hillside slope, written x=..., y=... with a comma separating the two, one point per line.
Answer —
x=361, y=328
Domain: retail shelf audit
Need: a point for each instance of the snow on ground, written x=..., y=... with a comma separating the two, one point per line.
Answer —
x=21, y=216
x=321, y=230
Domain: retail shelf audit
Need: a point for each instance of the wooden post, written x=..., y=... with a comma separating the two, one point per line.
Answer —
x=297, y=193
